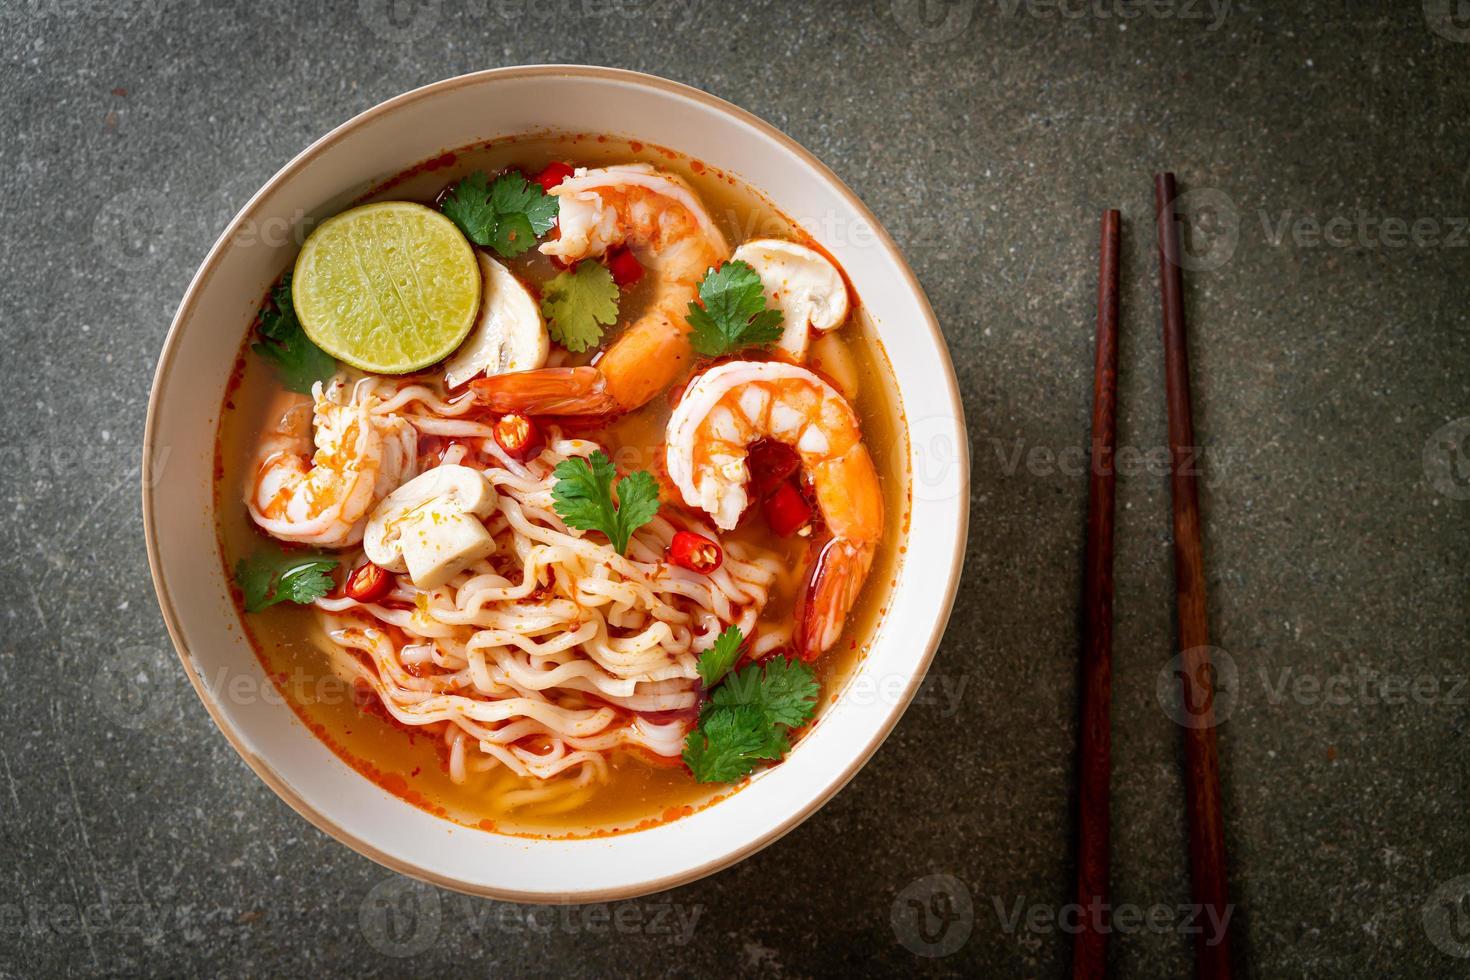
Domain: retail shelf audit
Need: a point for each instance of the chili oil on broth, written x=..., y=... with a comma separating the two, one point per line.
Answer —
x=411, y=763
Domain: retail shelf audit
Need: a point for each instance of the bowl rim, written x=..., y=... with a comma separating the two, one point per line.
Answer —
x=199, y=281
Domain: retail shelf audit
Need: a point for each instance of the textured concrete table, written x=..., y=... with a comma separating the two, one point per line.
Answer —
x=1324, y=146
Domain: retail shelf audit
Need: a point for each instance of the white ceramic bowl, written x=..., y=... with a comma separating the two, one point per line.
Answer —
x=183, y=416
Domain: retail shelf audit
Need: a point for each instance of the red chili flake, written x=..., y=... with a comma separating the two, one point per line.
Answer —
x=625, y=268
x=787, y=511
x=695, y=552
x=519, y=436
x=369, y=583
x=553, y=174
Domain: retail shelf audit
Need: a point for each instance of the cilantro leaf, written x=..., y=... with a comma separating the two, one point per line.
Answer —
x=749, y=718
x=784, y=689
x=716, y=662
x=734, y=313
x=267, y=578
x=508, y=215
x=578, y=303
x=513, y=235
x=468, y=206
x=727, y=745
x=299, y=363
x=512, y=193
x=583, y=496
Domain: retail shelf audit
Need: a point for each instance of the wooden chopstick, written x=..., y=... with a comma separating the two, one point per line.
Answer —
x=1202, y=762
x=1094, y=762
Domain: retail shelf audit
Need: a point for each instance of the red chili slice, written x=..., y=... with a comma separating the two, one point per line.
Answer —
x=369, y=583
x=787, y=510
x=770, y=463
x=625, y=269
x=554, y=173
x=695, y=552
x=519, y=436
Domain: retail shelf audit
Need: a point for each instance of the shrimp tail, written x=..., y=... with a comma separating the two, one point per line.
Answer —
x=835, y=578
x=547, y=391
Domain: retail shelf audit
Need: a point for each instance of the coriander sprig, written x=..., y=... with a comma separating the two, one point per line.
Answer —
x=733, y=313
x=750, y=714
x=269, y=577
x=578, y=303
x=299, y=363
x=717, y=661
x=584, y=497
x=507, y=215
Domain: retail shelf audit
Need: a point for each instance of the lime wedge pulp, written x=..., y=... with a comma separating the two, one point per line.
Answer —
x=388, y=288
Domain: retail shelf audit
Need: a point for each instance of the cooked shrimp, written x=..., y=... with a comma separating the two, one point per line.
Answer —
x=324, y=497
x=732, y=405
x=664, y=222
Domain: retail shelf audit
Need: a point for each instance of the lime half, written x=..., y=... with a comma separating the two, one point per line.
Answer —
x=388, y=288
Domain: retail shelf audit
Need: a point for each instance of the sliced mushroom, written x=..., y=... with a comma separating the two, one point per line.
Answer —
x=509, y=334
x=431, y=526
x=803, y=284
x=830, y=358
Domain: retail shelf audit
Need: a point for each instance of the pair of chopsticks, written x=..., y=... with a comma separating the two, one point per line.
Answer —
x=1202, y=765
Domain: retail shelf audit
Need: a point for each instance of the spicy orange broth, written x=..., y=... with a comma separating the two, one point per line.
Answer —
x=640, y=792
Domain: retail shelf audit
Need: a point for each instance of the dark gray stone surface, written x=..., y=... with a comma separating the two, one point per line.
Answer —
x=988, y=135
